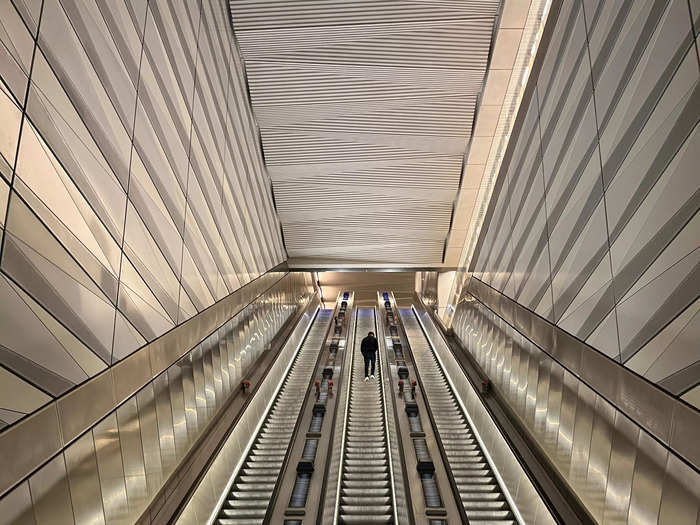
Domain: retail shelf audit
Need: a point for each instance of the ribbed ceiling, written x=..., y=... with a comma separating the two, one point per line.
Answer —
x=365, y=110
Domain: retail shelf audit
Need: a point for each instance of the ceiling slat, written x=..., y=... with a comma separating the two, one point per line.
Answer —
x=365, y=110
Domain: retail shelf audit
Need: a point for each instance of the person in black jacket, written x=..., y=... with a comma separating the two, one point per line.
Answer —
x=369, y=349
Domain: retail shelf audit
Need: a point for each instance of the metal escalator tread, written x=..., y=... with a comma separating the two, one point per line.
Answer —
x=365, y=493
x=481, y=496
x=252, y=489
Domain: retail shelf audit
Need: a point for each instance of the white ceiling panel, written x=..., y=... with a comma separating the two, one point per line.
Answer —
x=365, y=111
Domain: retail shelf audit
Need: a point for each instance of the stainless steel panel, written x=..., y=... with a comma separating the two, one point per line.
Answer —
x=556, y=384
x=583, y=429
x=646, y=405
x=532, y=382
x=685, y=427
x=545, y=369
x=150, y=441
x=199, y=385
x=130, y=375
x=209, y=389
x=622, y=459
x=189, y=396
x=599, y=457
x=84, y=480
x=82, y=407
x=680, y=498
x=495, y=354
x=177, y=404
x=216, y=368
x=234, y=344
x=607, y=459
x=16, y=507
x=205, y=498
x=646, y=482
x=567, y=418
x=111, y=470
x=503, y=358
x=519, y=487
x=245, y=349
x=164, y=414
x=596, y=370
x=173, y=345
x=234, y=371
x=223, y=361
x=640, y=400
x=27, y=444
x=524, y=366
x=132, y=456
x=130, y=439
x=510, y=365
x=226, y=352
x=51, y=495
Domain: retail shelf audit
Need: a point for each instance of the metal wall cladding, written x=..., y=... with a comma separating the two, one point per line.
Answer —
x=617, y=469
x=113, y=471
x=518, y=486
x=593, y=220
x=206, y=498
x=428, y=288
x=133, y=192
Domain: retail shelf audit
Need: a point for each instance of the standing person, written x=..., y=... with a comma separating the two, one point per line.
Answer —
x=369, y=349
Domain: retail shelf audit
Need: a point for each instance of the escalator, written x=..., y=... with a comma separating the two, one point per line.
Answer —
x=253, y=487
x=476, y=486
x=365, y=485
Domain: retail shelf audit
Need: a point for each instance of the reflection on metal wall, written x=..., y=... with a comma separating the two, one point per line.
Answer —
x=617, y=469
x=593, y=220
x=113, y=471
x=208, y=497
x=519, y=489
x=428, y=288
x=133, y=194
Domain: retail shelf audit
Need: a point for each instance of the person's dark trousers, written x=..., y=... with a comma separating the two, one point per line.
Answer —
x=370, y=357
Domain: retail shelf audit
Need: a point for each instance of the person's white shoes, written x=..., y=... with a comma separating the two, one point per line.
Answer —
x=366, y=379
x=372, y=376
